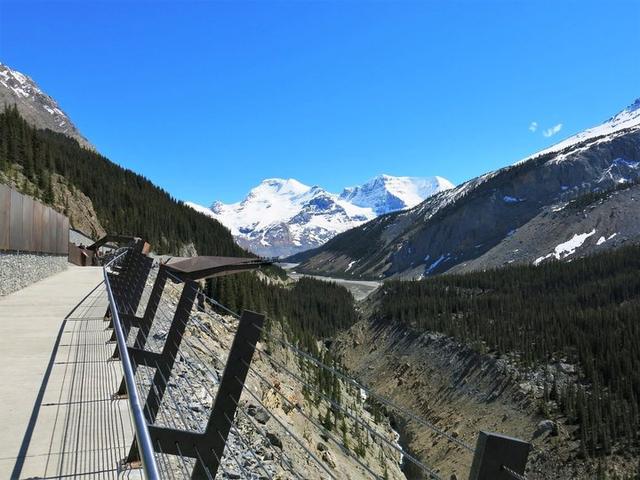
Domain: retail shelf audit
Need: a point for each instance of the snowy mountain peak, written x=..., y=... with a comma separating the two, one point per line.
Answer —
x=279, y=217
x=627, y=118
x=630, y=115
x=34, y=105
x=282, y=185
x=20, y=84
x=387, y=193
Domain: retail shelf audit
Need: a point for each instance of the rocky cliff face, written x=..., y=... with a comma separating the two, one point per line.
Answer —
x=569, y=230
x=461, y=225
x=272, y=410
x=34, y=105
x=460, y=392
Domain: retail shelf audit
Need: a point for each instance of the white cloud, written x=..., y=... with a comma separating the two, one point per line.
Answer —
x=533, y=126
x=549, y=132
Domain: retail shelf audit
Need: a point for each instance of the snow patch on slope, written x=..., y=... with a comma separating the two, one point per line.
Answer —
x=567, y=248
x=602, y=240
x=435, y=264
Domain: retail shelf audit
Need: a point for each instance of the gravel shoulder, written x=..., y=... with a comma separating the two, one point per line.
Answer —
x=19, y=270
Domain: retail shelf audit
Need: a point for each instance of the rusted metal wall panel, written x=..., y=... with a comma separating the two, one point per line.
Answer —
x=54, y=232
x=47, y=232
x=75, y=255
x=63, y=247
x=5, y=210
x=38, y=208
x=57, y=231
x=15, y=233
x=80, y=256
x=28, y=225
x=62, y=235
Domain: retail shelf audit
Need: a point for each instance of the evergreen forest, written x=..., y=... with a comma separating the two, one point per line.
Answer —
x=126, y=203
x=585, y=312
x=309, y=310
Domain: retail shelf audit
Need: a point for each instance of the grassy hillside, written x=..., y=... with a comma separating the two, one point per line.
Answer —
x=124, y=201
x=585, y=312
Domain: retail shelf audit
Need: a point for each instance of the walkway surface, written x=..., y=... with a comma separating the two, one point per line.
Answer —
x=58, y=418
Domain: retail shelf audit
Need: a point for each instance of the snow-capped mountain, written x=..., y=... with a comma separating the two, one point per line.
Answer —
x=386, y=193
x=627, y=118
x=571, y=199
x=281, y=217
x=34, y=105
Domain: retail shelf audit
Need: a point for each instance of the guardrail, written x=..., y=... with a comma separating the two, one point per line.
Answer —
x=142, y=437
x=155, y=311
x=126, y=276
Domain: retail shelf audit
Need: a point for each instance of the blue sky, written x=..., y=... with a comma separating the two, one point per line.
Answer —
x=207, y=99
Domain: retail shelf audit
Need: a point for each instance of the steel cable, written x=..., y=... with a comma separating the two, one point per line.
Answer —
x=354, y=382
x=272, y=415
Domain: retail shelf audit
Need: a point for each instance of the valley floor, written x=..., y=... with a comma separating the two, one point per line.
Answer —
x=360, y=289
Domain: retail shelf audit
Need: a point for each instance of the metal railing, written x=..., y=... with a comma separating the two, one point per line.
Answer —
x=163, y=330
x=149, y=363
x=142, y=437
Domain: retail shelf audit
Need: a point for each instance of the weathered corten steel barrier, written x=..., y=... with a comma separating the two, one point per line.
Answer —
x=125, y=276
x=27, y=225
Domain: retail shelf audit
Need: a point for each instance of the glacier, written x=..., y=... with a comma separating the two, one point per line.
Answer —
x=280, y=217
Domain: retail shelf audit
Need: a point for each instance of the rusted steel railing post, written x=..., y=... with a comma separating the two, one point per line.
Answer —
x=498, y=457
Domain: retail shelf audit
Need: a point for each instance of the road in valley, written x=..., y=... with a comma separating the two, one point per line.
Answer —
x=360, y=289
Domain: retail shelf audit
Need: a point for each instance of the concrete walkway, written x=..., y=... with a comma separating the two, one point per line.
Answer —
x=57, y=415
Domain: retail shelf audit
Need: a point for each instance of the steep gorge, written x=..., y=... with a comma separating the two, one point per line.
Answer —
x=461, y=392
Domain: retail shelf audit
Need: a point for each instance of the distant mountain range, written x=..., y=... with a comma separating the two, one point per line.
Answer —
x=574, y=198
x=35, y=106
x=282, y=217
x=577, y=197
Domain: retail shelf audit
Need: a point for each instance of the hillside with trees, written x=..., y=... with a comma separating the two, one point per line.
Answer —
x=125, y=202
x=308, y=310
x=584, y=313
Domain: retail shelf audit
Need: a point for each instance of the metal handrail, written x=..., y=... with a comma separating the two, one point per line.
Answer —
x=145, y=446
x=494, y=454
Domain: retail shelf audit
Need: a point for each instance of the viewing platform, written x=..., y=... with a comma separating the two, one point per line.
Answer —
x=58, y=417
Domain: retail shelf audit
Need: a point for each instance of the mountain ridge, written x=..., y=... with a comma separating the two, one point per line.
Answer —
x=43, y=154
x=459, y=225
x=35, y=106
x=280, y=217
